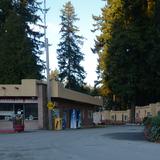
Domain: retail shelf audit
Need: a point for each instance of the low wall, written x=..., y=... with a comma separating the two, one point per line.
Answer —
x=147, y=111
x=107, y=117
x=6, y=125
x=124, y=116
x=31, y=125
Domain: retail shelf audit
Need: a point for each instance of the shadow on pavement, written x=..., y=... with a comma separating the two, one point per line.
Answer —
x=133, y=136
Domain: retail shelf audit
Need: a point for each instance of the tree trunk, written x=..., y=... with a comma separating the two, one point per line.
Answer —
x=132, y=113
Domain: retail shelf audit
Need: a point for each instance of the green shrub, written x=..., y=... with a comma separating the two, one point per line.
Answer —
x=147, y=121
x=144, y=119
x=154, y=134
x=152, y=128
x=156, y=121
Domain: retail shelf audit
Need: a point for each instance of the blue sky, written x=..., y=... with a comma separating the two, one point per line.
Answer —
x=84, y=10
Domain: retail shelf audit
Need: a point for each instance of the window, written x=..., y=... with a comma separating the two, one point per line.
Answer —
x=125, y=117
x=31, y=111
x=6, y=107
x=90, y=114
x=137, y=114
x=122, y=117
x=18, y=107
x=149, y=114
x=6, y=111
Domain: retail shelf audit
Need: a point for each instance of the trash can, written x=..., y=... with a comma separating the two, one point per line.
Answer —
x=58, y=124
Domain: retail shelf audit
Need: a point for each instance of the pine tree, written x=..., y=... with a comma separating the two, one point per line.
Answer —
x=69, y=54
x=19, y=44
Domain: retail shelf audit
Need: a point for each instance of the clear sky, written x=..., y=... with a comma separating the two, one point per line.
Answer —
x=84, y=10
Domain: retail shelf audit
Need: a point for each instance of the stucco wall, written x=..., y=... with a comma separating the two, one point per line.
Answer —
x=58, y=90
x=149, y=110
x=124, y=116
x=27, y=88
x=112, y=116
x=85, y=110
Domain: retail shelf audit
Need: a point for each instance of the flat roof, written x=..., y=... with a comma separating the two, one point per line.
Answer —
x=29, y=88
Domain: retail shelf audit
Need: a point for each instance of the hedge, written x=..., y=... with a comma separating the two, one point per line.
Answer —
x=152, y=128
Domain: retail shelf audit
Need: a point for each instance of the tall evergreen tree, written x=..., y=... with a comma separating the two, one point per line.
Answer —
x=128, y=50
x=69, y=54
x=19, y=44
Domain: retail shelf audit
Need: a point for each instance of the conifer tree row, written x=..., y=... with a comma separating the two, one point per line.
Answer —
x=19, y=44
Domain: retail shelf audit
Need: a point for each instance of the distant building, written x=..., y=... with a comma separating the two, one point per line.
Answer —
x=150, y=110
x=111, y=117
x=121, y=117
x=75, y=109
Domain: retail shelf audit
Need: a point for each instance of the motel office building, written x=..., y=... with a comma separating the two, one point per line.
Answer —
x=31, y=98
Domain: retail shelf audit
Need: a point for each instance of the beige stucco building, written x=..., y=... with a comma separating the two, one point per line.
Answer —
x=147, y=111
x=31, y=97
x=125, y=116
x=112, y=117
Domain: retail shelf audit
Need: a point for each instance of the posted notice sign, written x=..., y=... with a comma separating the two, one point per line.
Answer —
x=50, y=105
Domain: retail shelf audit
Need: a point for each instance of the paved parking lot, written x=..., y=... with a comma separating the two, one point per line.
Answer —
x=110, y=143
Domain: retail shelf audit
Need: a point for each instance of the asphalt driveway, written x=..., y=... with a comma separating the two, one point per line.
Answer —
x=110, y=143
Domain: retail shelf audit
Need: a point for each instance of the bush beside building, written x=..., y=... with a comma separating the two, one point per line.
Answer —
x=152, y=128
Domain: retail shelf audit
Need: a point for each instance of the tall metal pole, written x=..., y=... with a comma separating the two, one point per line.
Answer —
x=47, y=62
